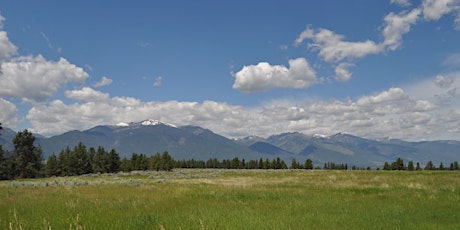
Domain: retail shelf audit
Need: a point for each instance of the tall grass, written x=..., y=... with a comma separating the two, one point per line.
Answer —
x=232, y=199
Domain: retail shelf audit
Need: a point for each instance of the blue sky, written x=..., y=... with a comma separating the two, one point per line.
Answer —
x=369, y=68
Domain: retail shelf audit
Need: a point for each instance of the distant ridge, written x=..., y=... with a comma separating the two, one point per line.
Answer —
x=193, y=142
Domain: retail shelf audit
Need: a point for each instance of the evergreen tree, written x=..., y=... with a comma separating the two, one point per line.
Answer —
x=51, y=168
x=4, y=169
x=167, y=161
x=100, y=160
x=155, y=162
x=64, y=162
x=126, y=165
x=92, y=154
x=386, y=166
x=398, y=164
x=81, y=160
x=430, y=166
x=266, y=164
x=441, y=166
x=294, y=164
x=28, y=156
x=410, y=166
x=418, y=168
x=113, y=161
x=308, y=164
x=454, y=166
x=261, y=163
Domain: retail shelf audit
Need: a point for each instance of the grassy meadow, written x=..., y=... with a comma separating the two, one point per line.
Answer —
x=235, y=199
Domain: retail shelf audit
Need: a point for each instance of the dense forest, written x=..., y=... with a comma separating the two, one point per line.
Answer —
x=26, y=161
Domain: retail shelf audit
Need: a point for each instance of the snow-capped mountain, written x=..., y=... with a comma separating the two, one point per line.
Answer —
x=147, y=122
x=192, y=142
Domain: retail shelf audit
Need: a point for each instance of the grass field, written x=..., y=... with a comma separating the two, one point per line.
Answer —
x=232, y=199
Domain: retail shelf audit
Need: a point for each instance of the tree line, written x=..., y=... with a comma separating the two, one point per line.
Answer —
x=399, y=164
x=26, y=161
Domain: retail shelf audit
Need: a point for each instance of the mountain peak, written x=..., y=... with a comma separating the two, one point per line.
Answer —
x=318, y=135
x=148, y=122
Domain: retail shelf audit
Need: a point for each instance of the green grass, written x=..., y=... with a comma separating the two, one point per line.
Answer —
x=232, y=199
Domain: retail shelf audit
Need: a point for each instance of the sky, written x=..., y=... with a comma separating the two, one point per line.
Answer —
x=375, y=69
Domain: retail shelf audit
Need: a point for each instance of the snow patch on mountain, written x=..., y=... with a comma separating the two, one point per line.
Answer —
x=148, y=122
x=317, y=135
x=122, y=124
x=155, y=122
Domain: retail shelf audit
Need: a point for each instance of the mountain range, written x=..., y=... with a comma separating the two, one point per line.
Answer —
x=193, y=142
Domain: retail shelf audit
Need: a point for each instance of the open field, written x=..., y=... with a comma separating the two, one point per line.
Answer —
x=235, y=199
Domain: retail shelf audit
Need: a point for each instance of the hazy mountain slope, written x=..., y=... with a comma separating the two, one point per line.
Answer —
x=192, y=142
x=6, y=138
x=142, y=137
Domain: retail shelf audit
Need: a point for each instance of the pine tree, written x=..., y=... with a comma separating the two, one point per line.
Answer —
x=418, y=168
x=4, y=171
x=430, y=166
x=100, y=159
x=441, y=166
x=81, y=160
x=167, y=161
x=113, y=161
x=155, y=162
x=455, y=165
x=386, y=166
x=64, y=162
x=126, y=165
x=410, y=166
x=28, y=156
x=308, y=164
x=51, y=168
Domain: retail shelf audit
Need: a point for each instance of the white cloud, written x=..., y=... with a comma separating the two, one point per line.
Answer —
x=435, y=9
x=7, y=49
x=443, y=82
x=332, y=48
x=396, y=25
x=264, y=76
x=103, y=82
x=392, y=95
x=158, y=81
x=394, y=113
x=440, y=89
x=404, y=3
x=8, y=116
x=342, y=73
x=87, y=94
x=36, y=79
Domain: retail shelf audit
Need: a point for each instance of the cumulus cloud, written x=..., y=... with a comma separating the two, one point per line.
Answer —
x=87, y=94
x=8, y=116
x=404, y=3
x=7, y=49
x=392, y=95
x=435, y=9
x=264, y=76
x=103, y=82
x=342, y=73
x=392, y=113
x=443, y=82
x=35, y=78
x=396, y=25
x=332, y=48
